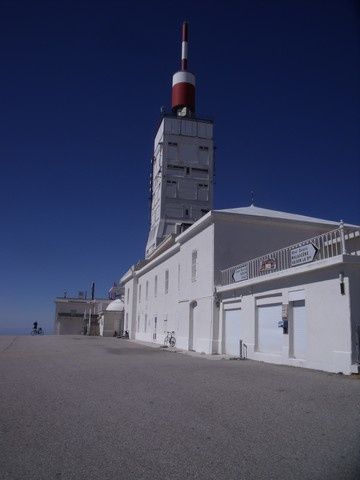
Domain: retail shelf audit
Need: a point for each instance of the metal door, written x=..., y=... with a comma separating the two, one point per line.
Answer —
x=232, y=331
x=270, y=334
x=299, y=329
x=192, y=325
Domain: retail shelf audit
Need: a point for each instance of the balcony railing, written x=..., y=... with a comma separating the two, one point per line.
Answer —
x=326, y=245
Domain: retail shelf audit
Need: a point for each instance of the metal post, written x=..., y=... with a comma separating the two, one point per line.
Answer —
x=241, y=348
x=342, y=238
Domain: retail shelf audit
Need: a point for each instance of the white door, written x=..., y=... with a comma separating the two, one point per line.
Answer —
x=192, y=325
x=232, y=332
x=270, y=335
x=299, y=329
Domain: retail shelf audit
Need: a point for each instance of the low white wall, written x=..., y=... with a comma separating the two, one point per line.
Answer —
x=328, y=319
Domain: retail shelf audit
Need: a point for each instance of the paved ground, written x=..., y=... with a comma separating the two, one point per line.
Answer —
x=93, y=408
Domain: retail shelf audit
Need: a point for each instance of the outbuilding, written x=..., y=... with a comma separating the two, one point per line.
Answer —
x=111, y=321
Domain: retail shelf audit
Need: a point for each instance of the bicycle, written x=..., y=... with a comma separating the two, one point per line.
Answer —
x=37, y=331
x=169, y=340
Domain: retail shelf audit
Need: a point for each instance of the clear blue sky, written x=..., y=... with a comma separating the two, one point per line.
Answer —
x=81, y=87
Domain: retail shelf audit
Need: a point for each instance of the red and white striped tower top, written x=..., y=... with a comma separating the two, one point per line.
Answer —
x=183, y=84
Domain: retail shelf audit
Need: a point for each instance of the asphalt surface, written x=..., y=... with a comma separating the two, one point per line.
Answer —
x=102, y=408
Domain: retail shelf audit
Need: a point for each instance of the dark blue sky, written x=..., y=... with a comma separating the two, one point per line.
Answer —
x=81, y=87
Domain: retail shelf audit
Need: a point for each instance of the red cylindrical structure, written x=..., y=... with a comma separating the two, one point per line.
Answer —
x=183, y=85
x=183, y=91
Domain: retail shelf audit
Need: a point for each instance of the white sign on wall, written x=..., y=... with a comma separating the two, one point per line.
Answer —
x=241, y=273
x=304, y=254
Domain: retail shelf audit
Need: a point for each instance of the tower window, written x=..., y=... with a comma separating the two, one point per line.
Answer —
x=187, y=170
x=202, y=192
x=175, y=167
x=193, y=265
x=171, y=188
x=166, y=281
x=203, y=147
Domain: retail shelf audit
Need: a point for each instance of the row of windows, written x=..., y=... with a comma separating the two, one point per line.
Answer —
x=190, y=191
x=174, y=182
x=181, y=170
x=166, y=280
x=201, y=147
x=143, y=323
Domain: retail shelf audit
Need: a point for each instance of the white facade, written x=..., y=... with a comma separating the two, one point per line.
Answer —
x=323, y=323
x=178, y=289
x=111, y=320
x=75, y=316
x=182, y=176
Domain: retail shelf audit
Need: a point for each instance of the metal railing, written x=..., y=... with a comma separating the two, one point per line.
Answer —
x=326, y=245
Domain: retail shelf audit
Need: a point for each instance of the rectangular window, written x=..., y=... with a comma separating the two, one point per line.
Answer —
x=139, y=293
x=193, y=265
x=203, y=192
x=166, y=281
x=171, y=188
x=138, y=324
x=176, y=170
x=145, y=323
x=127, y=321
x=200, y=172
x=127, y=296
x=147, y=289
x=155, y=286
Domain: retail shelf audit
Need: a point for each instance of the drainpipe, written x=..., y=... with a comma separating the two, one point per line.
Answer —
x=342, y=238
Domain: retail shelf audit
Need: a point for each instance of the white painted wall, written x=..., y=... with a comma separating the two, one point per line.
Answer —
x=329, y=319
x=172, y=309
x=111, y=322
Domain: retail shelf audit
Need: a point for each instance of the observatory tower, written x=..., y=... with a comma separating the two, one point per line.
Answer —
x=181, y=184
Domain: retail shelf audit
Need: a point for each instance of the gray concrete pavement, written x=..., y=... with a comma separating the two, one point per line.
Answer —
x=93, y=408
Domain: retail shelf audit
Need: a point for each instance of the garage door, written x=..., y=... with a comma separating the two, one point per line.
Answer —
x=299, y=329
x=232, y=332
x=270, y=335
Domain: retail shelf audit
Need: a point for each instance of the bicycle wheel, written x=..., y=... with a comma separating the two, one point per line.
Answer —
x=172, y=341
x=40, y=331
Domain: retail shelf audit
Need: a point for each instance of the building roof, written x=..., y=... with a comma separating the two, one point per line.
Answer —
x=252, y=210
x=115, y=306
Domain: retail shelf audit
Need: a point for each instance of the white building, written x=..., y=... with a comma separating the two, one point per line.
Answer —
x=285, y=285
x=111, y=320
x=78, y=315
x=181, y=288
